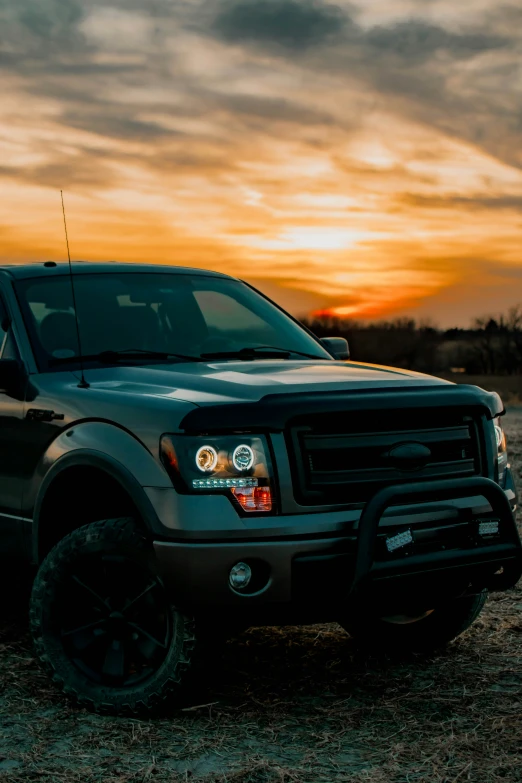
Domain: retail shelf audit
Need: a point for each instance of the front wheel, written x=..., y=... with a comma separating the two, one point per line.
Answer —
x=422, y=632
x=103, y=623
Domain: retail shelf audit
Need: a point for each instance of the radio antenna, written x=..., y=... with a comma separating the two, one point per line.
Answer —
x=83, y=383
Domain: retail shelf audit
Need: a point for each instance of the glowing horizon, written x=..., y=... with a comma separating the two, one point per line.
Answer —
x=359, y=160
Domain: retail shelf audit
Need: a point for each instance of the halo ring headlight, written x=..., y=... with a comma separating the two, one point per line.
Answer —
x=243, y=457
x=206, y=459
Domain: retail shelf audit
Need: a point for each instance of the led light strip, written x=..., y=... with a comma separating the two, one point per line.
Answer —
x=221, y=483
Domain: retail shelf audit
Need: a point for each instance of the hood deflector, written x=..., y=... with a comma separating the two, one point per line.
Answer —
x=273, y=411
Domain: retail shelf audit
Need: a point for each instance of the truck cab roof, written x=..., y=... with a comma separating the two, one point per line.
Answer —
x=46, y=268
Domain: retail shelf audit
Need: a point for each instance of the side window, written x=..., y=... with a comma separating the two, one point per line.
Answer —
x=3, y=331
x=52, y=316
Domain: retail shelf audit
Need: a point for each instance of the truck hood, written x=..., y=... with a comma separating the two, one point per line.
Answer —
x=248, y=381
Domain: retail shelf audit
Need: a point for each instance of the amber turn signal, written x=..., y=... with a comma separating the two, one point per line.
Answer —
x=253, y=498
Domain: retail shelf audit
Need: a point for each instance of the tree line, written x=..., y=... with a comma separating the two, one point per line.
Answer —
x=492, y=346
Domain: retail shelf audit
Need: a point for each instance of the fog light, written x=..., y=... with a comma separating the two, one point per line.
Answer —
x=240, y=576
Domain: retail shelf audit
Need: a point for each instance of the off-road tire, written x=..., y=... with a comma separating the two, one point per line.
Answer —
x=113, y=538
x=425, y=635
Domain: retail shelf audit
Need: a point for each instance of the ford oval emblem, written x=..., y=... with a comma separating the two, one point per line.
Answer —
x=409, y=456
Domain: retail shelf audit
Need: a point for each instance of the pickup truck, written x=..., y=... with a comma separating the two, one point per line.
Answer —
x=181, y=459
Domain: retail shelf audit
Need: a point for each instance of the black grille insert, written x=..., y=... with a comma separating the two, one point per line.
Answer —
x=347, y=458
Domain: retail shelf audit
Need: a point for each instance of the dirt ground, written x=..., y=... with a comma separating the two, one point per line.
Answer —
x=296, y=704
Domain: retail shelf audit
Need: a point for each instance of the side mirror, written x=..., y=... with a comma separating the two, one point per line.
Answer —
x=337, y=346
x=11, y=376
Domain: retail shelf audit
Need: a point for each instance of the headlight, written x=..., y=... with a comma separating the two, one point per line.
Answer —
x=236, y=465
x=243, y=457
x=206, y=459
x=502, y=457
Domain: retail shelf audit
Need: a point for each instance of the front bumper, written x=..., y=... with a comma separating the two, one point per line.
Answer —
x=315, y=575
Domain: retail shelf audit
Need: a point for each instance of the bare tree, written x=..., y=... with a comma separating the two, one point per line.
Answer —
x=493, y=346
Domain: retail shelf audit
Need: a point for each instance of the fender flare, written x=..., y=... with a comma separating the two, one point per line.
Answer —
x=110, y=466
x=110, y=449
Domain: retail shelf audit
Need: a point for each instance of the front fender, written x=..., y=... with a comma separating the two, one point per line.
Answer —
x=109, y=448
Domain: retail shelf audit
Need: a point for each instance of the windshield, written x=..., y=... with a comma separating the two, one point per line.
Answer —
x=174, y=313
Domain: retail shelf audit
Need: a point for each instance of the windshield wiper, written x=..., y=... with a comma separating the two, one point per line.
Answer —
x=260, y=352
x=128, y=353
x=298, y=353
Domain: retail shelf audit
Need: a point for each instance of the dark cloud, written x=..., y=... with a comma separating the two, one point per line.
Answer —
x=45, y=19
x=113, y=122
x=49, y=19
x=413, y=68
x=292, y=24
x=273, y=109
x=298, y=24
x=410, y=69
x=472, y=203
x=415, y=41
x=174, y=160
x=39, y=31
x=90, y=170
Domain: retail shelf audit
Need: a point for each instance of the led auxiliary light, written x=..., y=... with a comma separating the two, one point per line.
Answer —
x=206, y=459
x=399, y=540
x=488, y=527
x=243, y=457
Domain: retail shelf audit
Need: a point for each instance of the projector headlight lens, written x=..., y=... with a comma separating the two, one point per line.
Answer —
x=502, y=457
x=243, y=457
x=206, y=459
x=500, y=437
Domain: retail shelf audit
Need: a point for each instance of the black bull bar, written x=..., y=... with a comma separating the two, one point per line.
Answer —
x=506, y=551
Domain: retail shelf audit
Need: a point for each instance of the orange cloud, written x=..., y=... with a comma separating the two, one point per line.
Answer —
x=349, y=159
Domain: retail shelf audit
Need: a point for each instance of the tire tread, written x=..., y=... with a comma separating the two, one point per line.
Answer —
x=122, y=530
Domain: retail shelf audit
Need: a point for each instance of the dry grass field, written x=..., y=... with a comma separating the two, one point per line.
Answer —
x=294, y=704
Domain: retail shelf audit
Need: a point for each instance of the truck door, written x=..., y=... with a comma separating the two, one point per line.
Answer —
x=11, y=448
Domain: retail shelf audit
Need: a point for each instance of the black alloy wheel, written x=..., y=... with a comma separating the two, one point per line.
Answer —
x=113, y=619
x=105, y=626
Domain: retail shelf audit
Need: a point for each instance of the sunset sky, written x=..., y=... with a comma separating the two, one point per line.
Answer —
x=361, y=158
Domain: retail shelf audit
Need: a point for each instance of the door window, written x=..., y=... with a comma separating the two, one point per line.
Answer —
x=7, y=343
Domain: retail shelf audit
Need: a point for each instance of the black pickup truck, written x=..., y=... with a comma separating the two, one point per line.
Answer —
x=180, y=458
